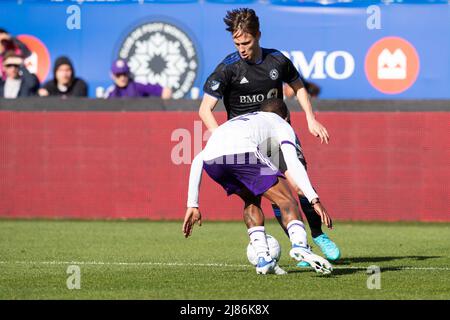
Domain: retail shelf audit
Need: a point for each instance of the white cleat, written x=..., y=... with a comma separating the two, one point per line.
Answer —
x=278, y=270
x=265, y=267
x=319, y=264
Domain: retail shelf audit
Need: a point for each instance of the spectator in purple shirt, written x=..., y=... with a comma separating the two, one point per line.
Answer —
x=125, y=87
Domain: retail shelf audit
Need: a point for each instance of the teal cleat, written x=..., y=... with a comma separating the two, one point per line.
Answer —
x=328, y=247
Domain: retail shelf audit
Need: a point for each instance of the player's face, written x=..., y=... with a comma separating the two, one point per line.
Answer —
x=247, y=45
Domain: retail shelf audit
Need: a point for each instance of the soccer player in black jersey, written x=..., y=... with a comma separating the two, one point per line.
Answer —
x=247, y=77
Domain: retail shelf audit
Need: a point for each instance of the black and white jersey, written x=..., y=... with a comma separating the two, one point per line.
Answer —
x=243, y=86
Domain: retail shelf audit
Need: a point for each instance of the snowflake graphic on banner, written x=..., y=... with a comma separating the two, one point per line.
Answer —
x=158, y=60
x=160, y=53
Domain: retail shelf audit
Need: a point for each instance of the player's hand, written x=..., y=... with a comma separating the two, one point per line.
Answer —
x=324, y=216
x=318, y=130
x=192, y=216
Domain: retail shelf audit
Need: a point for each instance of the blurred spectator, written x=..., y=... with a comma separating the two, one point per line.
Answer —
x=19, y=81
x=312, y=89
x=8, y=44
x=125, y=86
x=64, y=83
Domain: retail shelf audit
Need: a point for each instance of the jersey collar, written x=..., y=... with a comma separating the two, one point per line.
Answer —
x=256, y=62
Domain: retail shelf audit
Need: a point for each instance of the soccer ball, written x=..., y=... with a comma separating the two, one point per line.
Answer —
x=274, y=249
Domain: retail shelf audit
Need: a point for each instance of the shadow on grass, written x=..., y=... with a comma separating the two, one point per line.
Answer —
x=344, y=271
x=341, y=269
x=343, y=266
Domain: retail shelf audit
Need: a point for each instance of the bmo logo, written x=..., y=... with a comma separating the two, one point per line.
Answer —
x=338, y=65
x=258, y=98
x=251, y=99
x=392, y=65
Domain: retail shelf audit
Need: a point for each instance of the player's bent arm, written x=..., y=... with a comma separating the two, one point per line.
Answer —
x=318, y=207
x=293, y=184
x=314, y=126
x=302, y=97
x=205, y=112
x=297, y=171
x=195, y=178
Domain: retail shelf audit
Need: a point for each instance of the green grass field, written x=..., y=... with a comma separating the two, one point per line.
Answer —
x=152, y=260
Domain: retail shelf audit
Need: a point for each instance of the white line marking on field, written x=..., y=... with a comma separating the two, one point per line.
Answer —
x=181, y=264
x=178, y=264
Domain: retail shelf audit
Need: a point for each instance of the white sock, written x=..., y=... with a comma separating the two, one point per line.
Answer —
x=259, y=242
x=297, y=233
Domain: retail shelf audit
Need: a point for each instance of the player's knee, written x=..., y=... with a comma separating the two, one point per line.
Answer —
x=288, y=206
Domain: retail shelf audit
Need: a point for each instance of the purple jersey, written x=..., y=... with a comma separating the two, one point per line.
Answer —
x=135, y=89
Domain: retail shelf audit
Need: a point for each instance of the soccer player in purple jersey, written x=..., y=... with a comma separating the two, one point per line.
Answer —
x=232, y=158
x=247, y=77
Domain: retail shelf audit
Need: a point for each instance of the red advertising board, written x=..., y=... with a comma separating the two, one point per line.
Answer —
x=113, y=165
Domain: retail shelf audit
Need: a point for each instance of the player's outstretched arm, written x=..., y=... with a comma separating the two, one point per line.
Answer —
x=195, y=178
x=192, y=213
x=314, y=126
x=206, y=111
x=318, y=207
x=296, y=170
